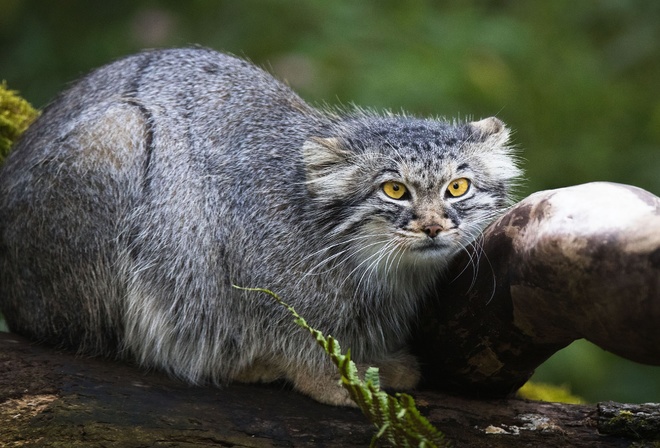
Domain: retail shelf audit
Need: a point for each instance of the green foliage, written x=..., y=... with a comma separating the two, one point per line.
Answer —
x=398, y=420
x=533, y=390
x=16, y=114
x=597, y=375
x=577, y=81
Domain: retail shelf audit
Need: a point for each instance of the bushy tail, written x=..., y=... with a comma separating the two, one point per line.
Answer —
x=16, y=114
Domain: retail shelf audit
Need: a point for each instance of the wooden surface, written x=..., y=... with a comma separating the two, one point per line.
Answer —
x=577, y=262
x=53, y=399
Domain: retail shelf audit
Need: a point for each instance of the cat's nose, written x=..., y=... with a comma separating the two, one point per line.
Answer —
x=433, y=230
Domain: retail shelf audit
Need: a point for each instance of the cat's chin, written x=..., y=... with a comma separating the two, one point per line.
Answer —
x=432, y=250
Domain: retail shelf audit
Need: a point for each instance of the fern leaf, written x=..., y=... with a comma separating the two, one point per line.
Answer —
x=397, y=418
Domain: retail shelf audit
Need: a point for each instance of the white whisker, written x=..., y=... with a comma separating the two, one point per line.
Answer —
x=371, y=268
x=366, y=260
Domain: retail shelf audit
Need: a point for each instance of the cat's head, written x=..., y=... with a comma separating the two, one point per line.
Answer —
x=405, y=190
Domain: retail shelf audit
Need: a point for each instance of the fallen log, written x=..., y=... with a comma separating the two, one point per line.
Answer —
x=50, y=398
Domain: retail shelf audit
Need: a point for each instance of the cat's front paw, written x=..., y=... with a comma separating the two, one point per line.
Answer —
x=325, y=389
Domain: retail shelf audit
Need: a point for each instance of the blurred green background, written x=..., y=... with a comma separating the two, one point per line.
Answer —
x=579, y=82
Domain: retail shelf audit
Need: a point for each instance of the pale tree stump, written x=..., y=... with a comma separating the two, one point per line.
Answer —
x=578, y=262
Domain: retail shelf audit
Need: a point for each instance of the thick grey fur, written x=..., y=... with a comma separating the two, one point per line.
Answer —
x=150, y=187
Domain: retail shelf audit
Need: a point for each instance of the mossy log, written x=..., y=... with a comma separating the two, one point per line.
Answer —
x=565, y=264
x=55, y=399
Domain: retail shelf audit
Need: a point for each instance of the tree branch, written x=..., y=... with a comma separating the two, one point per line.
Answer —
x=578, y=262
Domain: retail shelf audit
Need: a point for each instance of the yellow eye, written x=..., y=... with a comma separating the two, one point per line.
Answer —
x=458, y=187
x=395, y=190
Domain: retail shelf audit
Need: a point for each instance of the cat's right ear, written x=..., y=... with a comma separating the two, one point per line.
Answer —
x=325, y=164
x=490, y=131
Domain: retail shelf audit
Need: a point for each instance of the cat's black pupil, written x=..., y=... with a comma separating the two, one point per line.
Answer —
x=395, y=187
x=455, y=186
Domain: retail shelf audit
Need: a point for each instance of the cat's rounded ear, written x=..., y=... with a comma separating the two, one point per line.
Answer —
x=491, y=131
x=320, y=154
x=326, y=166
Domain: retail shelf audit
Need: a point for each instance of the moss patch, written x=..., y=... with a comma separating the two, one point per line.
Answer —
x=16, y=114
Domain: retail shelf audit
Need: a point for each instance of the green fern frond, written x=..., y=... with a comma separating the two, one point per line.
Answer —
x=397, y=418
x=16, y=114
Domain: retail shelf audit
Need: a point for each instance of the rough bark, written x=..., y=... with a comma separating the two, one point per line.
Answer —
x=578, y=262
x=53, y=399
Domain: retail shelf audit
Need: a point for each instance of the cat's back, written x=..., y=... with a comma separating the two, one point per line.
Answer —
x=134, y=165
x=183, y=120
x=186, y=86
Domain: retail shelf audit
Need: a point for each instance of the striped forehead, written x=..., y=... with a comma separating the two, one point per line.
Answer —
x=426, y=170
x=427, y=175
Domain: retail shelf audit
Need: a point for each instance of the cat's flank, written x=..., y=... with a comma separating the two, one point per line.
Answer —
x=143, y=193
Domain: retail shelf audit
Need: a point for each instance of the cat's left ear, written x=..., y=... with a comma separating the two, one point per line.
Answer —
x=326, y=165
x=490, y=131
x=321, y=154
